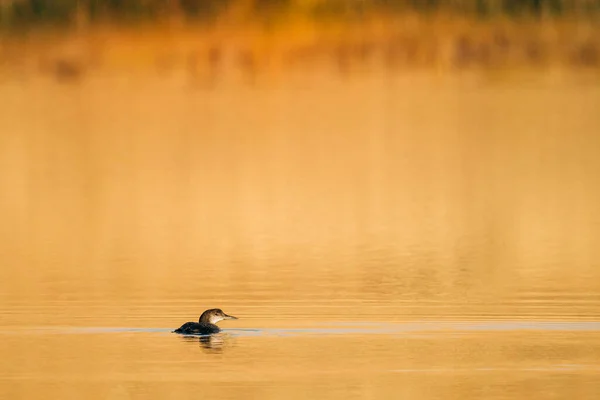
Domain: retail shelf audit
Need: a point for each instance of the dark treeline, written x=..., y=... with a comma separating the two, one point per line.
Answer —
x=64, y=10
x=15, y=12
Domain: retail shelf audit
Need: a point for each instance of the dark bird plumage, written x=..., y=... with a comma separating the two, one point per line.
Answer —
x=206, y=324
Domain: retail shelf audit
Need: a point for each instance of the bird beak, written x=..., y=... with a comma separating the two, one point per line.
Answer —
x=229, y=316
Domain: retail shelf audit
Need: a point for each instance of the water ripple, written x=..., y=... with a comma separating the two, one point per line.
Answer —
x=345, y=328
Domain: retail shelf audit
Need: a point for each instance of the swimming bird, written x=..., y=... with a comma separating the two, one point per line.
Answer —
x=206, y=324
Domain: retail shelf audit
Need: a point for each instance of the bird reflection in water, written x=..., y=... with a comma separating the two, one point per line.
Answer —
x=214, y=343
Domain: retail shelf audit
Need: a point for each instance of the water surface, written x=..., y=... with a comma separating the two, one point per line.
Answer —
x=379, y=236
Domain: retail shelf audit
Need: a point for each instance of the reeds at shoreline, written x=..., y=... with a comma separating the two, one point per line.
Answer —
x=207, y=56
x=443, y=40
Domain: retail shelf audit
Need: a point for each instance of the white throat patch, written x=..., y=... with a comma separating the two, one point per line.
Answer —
x=215, y=318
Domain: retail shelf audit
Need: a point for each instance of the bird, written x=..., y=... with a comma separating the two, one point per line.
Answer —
x=206, y=324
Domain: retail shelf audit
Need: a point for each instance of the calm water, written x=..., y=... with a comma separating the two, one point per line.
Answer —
x=379, y=236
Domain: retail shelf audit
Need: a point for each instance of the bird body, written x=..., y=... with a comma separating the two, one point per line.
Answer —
x=206, y=325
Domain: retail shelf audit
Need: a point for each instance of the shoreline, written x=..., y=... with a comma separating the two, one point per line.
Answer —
x=441, y=42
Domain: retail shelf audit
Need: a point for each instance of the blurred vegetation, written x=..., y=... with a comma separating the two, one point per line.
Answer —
x=31, y=12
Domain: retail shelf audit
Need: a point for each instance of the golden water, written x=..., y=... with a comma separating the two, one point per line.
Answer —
x=379, y=236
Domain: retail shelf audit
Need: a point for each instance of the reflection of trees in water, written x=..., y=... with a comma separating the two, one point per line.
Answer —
x=210, y=343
